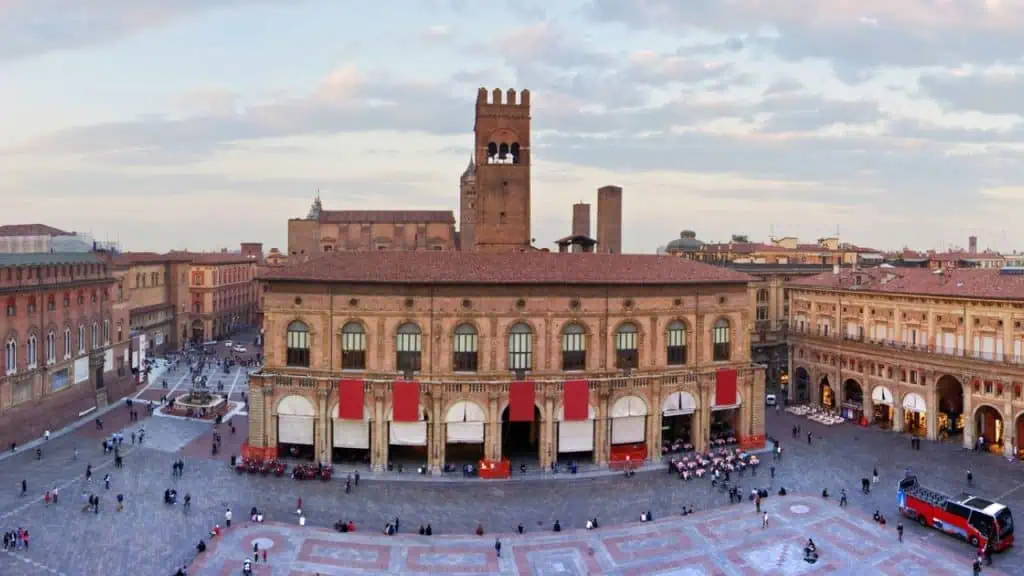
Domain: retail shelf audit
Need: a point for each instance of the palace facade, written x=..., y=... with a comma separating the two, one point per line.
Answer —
x=935, y=353
x=445, y=356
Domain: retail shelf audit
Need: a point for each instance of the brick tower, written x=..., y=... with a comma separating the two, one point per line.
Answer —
x=609, y=220
x=467, y=208
x=502, y=131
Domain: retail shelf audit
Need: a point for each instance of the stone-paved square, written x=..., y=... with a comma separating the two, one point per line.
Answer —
x=70, y=542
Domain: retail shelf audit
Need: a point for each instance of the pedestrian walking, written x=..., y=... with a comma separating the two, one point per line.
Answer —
x=757, y=504
x=772, y=470
x=899, y=531
x=808, y=438
x=46, y=435
x=106, y=481
x=764, y=520
x=24, y=487
x=120, y=502
x=497, y=547
x=842, y=498
x=357, y=477
x=54, y=492
x=874, y=475
x=970, y=478
x=227, y=518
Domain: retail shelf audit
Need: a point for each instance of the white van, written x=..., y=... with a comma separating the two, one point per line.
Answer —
x=769, y=400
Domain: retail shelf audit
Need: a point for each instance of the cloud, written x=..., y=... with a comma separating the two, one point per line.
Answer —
x=853, y=34
x=992, y=93
x=34, y=27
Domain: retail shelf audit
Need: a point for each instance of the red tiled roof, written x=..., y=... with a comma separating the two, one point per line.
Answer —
x=387, y=216
x=134, y=258
x=212, y=258
x=960, y=282
x=450, y=267
x=31, y=230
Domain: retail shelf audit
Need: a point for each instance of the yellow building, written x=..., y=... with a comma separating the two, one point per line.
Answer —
x=932, y=353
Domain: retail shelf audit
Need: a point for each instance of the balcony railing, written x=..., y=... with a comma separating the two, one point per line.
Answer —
x=982, y=355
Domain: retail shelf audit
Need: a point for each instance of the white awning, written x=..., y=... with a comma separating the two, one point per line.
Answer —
x=295, y=405
x=465, y=411
x=679, y=403
x=882, y=395
x=913, y=402
x=628, y=406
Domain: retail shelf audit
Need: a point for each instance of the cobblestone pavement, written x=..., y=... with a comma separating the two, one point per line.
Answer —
x=723, y=541
x=149, y=537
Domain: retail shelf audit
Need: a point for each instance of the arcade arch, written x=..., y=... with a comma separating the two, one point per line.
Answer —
x=950, y=417
x=677, y=420
x=883, y=400
x=826, y=395
x=989, y=428
x=296, y=427
x=801, y=385
x=853, y=400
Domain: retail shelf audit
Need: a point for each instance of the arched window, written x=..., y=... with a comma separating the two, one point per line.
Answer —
x=51, y=347
x=11, y=356
x=297, y=345
x=95, y=336
x=32, y=352
x=720, y=341
x=520, y=347
x=574, y=348
x=67, y=343
x=408, y=348
x=675, y=342
x=464, y=349
x=762, y=305
x=81, y=338
x=353, y=346
x=626, y=354
x=106, y=332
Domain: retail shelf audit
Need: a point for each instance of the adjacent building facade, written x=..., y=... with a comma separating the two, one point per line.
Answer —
x=786, y=250
x=222, y=292
x=647, y=344
x=65, y=337
x=156, y=287
x=932, y=353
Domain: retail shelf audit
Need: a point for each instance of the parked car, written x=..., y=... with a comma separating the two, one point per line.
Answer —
x=769, y=400
x=240, y=349
x=228, y=344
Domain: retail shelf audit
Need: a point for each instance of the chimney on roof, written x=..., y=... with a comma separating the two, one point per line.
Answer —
x=972, y=244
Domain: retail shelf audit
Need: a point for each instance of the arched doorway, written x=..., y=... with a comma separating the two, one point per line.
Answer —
x=825, y=393
x=1020, y=434
x=464, y=433
x=882, y=401
x=575, y=437
x=198, y=332
x=296, y=427
x=350, y=439
x=520, y=441
x=853, y=400
x=725, y=423
x=677, y=422
x=802, y=383
x=408, y=441
x=915, y=415
x=950, y=419
x=988, y=429
x=629, y=431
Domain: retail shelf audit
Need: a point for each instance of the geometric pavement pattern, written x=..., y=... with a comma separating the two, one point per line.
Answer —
x=722, y=541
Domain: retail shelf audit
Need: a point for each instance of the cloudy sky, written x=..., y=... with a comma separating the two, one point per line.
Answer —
x=201, y=123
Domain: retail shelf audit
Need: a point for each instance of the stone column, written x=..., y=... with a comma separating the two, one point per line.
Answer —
x=791, y=388
x=757, y=404
x=704, y=408
x=1009, y=428
x=602, y=434
x=653, y=423
x=438, y=443
x=897, y=412
x=323, y=444
x=257, y=416
x=379, y=453
x=492, y=430
x=967, y=385
x=933, y=413
x=547, y=434
x=869, y=407
x=269, y=413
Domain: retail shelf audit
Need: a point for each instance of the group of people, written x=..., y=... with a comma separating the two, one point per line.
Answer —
x=16, y=539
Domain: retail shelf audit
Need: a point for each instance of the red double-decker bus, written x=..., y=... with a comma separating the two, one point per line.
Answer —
x=970, y=518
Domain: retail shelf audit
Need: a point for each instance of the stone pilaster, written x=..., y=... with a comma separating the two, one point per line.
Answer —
x=257, y=417
x=602, y=434
x=869, y=407
x=757, y=404
x=969, y=433
x=379, y=452
x=653, y=423
x=492, y=432
x=933, y=413
x=547, y=434
x=322, y=442
x=897, y=409
x=269, y=413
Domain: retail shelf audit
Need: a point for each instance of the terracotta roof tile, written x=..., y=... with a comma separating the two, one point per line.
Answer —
x=133, y=258
x=31, y=230
x=961, y=282
x=387, y=216
x=449, y=267
x=212, y=258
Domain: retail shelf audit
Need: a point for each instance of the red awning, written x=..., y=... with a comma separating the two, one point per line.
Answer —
x=725, y=388
x=350, y=399
x=520, y=402
x=575, y=400
x=405, y=398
